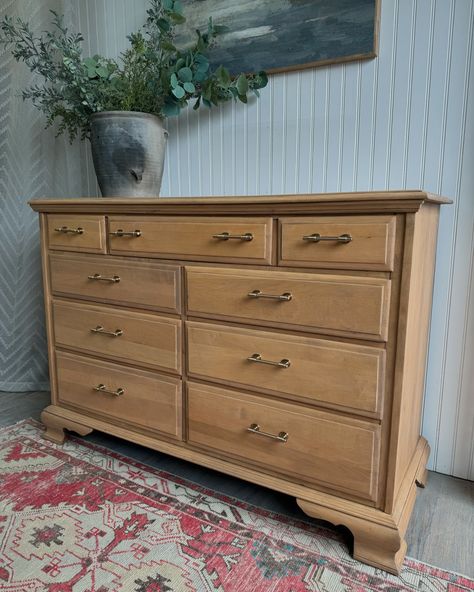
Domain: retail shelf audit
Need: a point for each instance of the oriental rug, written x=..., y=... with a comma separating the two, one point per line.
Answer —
x=81, y=518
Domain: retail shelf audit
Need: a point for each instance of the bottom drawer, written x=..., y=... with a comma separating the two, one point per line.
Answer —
x=131, y=397
x=338, y=452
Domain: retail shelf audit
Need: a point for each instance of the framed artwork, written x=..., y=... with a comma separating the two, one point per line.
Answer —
x=281, y=35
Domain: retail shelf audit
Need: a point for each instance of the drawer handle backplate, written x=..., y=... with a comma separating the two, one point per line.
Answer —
x=120, y=232
x=286, y=296
x=97, y=277
x=101, y=388
x=255, y=429
x=102, y=331
x=317, y=238
x=284, y=363
x=66, y=230
x=248, y=236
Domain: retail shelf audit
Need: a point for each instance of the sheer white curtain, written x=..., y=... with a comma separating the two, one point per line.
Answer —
x=33, y=163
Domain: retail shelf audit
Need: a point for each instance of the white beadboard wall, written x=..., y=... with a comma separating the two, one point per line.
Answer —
x=403, y=120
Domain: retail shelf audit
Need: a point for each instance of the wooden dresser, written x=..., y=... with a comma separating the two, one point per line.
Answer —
x=279, y=339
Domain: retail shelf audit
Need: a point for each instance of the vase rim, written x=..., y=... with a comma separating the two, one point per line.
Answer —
x=125, y=114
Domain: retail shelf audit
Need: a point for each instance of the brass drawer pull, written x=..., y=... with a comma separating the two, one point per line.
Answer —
x=66, y=230
x=248, y=236
x=101, y=388
x=316, y=238
x=286, y=296
x=100, y=329
x=114, y=280
x=120, y=232
x=284, y=363
x=255, y=429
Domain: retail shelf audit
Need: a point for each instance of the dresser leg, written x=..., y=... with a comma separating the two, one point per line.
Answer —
x=380, y=545
x=55, y=426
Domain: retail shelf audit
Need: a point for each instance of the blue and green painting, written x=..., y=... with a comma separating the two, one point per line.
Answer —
x=285, y=34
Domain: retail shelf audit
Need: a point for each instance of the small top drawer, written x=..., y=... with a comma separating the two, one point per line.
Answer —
x=242, y=240
x=344, y=242
x=114, y=280
x=77, y=233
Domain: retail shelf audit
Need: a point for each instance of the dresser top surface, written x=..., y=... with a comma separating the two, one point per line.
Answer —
x=354, y=202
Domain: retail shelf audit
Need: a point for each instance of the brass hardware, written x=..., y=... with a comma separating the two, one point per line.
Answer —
x=66, y=230
x=101, y=388
x=100, y=329
x=121, y=232
x=316, y=238
x=284, y=363
x=114, y=280
x=248, y=236
x=255, y=429
x=286, y=296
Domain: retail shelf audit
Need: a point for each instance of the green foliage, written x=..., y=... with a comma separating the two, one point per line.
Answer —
x=151, y=76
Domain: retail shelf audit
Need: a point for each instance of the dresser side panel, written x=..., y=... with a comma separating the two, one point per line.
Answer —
x=412, y=343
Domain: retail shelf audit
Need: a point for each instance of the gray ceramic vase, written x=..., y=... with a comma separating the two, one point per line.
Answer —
x=128, y=150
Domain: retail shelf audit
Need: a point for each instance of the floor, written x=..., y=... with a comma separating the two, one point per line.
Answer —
x=441, y=530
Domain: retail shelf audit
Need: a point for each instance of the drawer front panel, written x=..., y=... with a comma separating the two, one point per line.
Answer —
x=146, y=284
x=314, y=369
x=77, y=233
x=334, y=304
x=149, y=400
x=341, y=453
x=140, y=338
x=345, y=242
x=243, y=240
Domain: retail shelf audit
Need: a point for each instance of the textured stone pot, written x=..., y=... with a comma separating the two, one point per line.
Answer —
x=128, y=150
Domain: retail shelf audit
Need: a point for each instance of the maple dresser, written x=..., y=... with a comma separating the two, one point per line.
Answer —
x=279, y=339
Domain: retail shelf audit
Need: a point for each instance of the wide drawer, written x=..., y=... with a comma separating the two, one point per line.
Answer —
x=335, y=304
x=76, y=233
x=145, y=339
x=338, y=452
x=317, y=370
x=242, y=240
x=345, y=242
x=116, y=280
x=134, y=398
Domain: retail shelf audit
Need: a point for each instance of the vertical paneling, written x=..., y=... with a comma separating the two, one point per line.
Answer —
x=404, y=120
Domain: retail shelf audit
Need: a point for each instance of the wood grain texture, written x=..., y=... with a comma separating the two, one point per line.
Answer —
x=143, y=283
x=192, y=237
x=371, y=245
x=150, y=400
x=337, y=305
x=146, y=339
x=91, y=240
x=321, y=371
x=339, y=452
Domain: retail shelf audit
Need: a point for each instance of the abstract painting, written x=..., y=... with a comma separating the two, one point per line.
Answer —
x=279, y=35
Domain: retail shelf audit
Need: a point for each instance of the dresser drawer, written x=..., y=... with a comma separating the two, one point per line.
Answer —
x=144, y=339
x=345, y=242
x=116, y=280
x=338, y=452
x=335, y=304
x=136, y=398
x=317, y=370
x=241, y=240
x=76, y=233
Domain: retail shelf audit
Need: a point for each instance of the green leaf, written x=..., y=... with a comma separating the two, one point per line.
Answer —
x=91, y=73
x=178, y=92
x=177, y=18
x=171, y=109
x=90, y=63
x=197, y=104
x=223, y=76
x=102, y=72
x=189, y=87
x=185, y=74
x=178, y=7
x=167, y=45
x=174, y=80
x=163, y=24
x=179, y=63
x=168, y=4
x=242, y=85
x=243, y=98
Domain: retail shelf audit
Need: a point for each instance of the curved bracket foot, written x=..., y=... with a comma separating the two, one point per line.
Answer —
x=56, y=425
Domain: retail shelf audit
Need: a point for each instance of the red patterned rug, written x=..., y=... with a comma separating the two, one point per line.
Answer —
x=80, y=518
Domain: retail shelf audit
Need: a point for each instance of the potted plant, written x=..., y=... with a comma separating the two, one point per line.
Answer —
x=119, y=105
